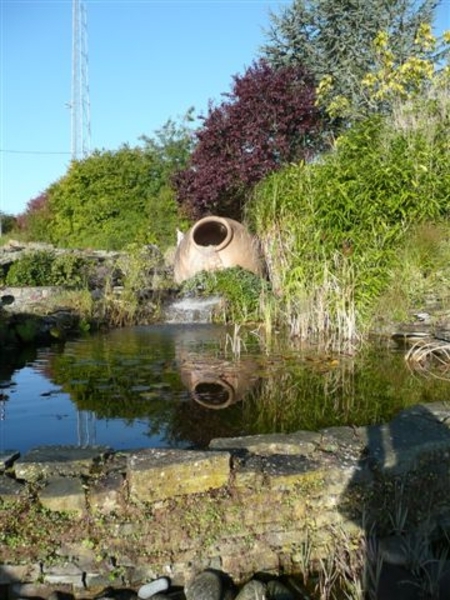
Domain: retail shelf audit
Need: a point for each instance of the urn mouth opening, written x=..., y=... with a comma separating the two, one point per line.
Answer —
x=213, y=393
x=212, y=231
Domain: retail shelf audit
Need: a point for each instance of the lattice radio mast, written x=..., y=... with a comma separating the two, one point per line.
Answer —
x=80, y=104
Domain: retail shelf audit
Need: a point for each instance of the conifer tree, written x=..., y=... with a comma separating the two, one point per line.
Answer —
x=335, y=39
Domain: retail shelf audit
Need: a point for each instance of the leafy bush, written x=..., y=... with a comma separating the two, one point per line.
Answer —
x=269, y=119
x=241, y=290
x=114, y=198
x=43, y=268
x=32, y=269
x=70, y=270
x=331, y=230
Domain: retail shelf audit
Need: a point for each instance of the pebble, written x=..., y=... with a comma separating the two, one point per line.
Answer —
x=116, y=594
x=60, y=596
x=253, y=590
x=154, y=587
x=205, y=586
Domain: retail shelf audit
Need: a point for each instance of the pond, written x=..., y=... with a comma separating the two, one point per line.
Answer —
x=179, y=386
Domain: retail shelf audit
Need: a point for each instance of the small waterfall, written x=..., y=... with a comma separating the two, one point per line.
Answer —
x=192, y=309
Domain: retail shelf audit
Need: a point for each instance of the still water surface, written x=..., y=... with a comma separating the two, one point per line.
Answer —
x=183, y=385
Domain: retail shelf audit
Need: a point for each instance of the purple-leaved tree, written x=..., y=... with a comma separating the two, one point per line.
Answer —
x=269, y=119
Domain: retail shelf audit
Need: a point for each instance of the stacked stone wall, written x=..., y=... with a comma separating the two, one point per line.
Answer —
x=90, y=517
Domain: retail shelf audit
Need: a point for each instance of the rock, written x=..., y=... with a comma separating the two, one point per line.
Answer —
x=61, y=596
x=105, y=493
x=116, y=594
x=64, y=494
x=153, y=587
x=47, y=461
x=205, y=586
x=11, y=490
x=7, y=457
x=404, y=550
x=300, y=443
x=253, y=590
x=157, y=474
x=278, y=591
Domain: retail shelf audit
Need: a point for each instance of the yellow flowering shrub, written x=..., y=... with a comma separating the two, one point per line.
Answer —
x=391, y=80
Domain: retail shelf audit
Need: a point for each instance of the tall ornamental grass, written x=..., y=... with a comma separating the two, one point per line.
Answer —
x=332, y=230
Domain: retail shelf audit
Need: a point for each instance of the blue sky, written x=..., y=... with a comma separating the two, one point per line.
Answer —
x=149, y=60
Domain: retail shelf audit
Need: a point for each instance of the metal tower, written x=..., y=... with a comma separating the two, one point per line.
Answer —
x=80, y=104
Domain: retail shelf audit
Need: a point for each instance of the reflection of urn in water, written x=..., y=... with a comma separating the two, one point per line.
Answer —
x=218, y=383
x=213, y=381
x=216, y=243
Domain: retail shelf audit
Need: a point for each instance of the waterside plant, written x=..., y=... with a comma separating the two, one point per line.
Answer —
x=242, y=291
x=102, y=289
x=335, y=232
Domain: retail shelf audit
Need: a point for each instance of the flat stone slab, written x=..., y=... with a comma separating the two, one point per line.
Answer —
x=414, y=434
x=10, y=489
x=64, y=494
x=14, y=573
x=156, y=474
x=286, y=471
x=7, y=457
x=47, y=461
x=300, y=442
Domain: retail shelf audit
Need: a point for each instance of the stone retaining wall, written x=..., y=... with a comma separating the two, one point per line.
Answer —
x=90, y=517
x=23, y=297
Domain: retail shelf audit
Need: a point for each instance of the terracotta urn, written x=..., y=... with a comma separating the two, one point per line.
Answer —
x=215, y=243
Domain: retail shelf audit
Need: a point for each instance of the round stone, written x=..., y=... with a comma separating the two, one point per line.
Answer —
x=278, y=591
x=253, y=590
x=152, y=588
x=205, y=586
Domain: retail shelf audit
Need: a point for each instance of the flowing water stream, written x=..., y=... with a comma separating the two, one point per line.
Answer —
x=179, y=385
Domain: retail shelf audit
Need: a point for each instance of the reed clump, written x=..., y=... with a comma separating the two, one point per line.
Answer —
x=340, y=232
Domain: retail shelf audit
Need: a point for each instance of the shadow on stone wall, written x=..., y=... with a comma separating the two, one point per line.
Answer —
x=405, y=511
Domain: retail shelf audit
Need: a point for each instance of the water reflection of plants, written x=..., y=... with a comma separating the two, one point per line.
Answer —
x=135, y=382
x=151, y=378
x=312, y=393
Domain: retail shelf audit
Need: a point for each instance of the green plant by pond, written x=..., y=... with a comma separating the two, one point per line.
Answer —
x=243, y=293
x=335, y=232
x=45, y=268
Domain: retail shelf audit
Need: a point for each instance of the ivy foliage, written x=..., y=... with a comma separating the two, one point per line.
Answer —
x=267, y=120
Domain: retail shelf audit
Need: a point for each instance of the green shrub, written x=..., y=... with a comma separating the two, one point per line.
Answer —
x=43, y=268
x=240, y=289
x=331, y=230
x=32, y=269
x=70, y=271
